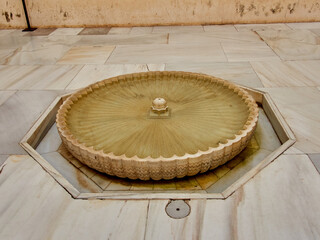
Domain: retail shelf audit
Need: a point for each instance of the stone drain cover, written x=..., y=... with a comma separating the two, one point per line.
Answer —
x=178, y=209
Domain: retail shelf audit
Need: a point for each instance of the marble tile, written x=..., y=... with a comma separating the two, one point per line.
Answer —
x=92, y=73
x=95, y=31
x=120, y=30
x=41, y=32
x=156, y=67
x=141, y=30
x=265, y=135
x=237, y=72
x=261, y=27
x=306, y=25
x=175, y=29
x=185, y=228
x=111, y=217
x=18, y=114
x=66, y=31
x=316, y=31
x=315, y=158
x=293, y=44
x=48, y=77
x=293, y=151
x=214, y=37
x=38, y=200
x=3, y=158
x=301, y=109
x=46, y=43
x=123, y=39
x=219, y=28
x=6, y=53
x=275, y=204
x=4, y=95
x=239, y=170
x=79, y=180
x=89, y=172
x=87, y=55
x=102, y=180
x=5, y=32
x=167, y=53
x=288, y=74
x=253, y=51
x=50, y=142
x=11, y=41
x=45, y=56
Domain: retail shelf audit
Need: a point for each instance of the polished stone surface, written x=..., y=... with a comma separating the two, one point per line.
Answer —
x=280, y=202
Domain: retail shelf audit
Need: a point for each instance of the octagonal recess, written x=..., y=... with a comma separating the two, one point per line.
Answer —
x=272, y=138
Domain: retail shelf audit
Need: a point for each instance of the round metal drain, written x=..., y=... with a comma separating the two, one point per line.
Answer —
x=178, y=209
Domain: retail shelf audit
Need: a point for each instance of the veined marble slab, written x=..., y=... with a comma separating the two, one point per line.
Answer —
x=307, y=25
x=49, y=77
x=41, y=32
x=3, y=158
x=167, y=53
x=4, y=95
x=300, y=106
x=261, y=27
x=95, y=31
x=10, y=41
x=18, y=114
x=43, y=56
x=123, y=39
x=141, y=30
x=237, y=72
x=120, y=30
x=174, y=29
x=293, y=44
x=50, y=142
x=278, y=203
x=5, y=32
x=76, y=177
x=92, y=73
x=87, y=55
x=161, y=226
x=248, y=51
x=214, y=37
x=66, y=31
x=316, y=31
x=6, y=53
x=50, y=42
x=288, y=74
x=219, y=28
x=34, y=206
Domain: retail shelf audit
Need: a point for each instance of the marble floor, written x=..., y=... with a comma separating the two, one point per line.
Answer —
x=280, y=202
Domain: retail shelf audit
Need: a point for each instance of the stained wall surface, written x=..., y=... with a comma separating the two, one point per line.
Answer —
x=74, y=13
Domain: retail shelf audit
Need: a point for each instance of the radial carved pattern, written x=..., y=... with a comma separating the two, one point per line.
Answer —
x=115, y=118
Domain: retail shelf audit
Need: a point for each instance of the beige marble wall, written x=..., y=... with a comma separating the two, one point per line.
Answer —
x=72, y=13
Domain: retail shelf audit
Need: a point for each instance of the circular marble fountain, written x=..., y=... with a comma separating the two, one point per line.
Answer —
x=157, y=125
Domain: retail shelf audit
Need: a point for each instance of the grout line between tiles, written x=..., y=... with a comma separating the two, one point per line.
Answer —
x=224, y=51
x=111, y=54
x=147, y=217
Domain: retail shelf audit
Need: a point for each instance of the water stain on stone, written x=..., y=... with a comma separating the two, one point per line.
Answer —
x=291, y=8
x=277, y=9
x=251, y=7
x=240, y=9
x=6, y=15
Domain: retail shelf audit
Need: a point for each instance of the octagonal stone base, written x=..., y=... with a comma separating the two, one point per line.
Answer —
x=272, y=137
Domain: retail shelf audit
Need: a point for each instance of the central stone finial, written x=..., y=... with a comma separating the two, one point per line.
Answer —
x=159, y=105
